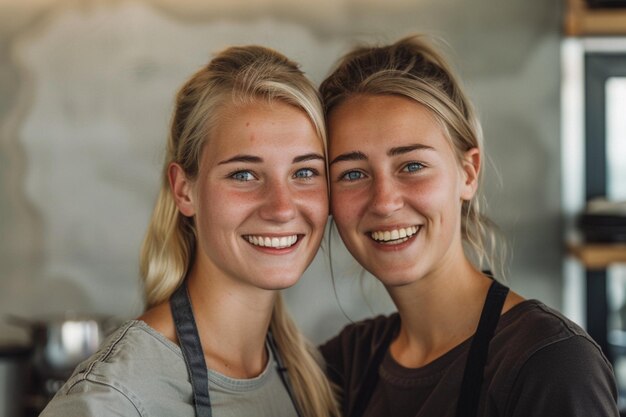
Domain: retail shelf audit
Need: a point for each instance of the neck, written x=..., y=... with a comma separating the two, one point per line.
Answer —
x=438, y=312
x=232, y=320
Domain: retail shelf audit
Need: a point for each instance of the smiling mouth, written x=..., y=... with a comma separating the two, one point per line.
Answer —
x=272, y=241
x=394, y=236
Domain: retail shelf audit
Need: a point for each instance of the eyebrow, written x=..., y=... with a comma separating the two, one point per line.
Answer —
x=257, y=160
x=242, y=158
x=350, y=156
x=307, y=157
x=360, y=156
x=406, y=149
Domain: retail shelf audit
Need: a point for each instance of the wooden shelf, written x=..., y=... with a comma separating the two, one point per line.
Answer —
x=598, y=255
x=580, y=20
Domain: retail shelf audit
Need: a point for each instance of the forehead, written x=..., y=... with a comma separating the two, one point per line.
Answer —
x=383, y=121
x=262, y=126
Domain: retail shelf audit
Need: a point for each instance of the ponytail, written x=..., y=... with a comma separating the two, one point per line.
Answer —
x=167, y=249
x=311, y=387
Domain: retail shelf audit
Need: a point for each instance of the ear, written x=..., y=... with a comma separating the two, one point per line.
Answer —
x=182, y=189
x=470, y=170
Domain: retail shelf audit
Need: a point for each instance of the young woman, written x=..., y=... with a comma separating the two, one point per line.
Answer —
x=240, y=215
x=405, y=155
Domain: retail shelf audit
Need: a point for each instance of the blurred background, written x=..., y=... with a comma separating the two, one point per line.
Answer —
x=86, y=92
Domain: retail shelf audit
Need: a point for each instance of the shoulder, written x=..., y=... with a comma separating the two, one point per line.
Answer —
x=130, y=350
x=540, y=362
x=531, y=326
x=568, y=377
x=125, y=372
x=160, y=319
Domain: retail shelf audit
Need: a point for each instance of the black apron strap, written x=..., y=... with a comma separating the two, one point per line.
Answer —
x=477, y=356
x=371, y=376
x=193, y=354
x=191, y=347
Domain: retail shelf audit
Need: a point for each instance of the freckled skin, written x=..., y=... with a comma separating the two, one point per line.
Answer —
x=272, y=201
x=387, y=195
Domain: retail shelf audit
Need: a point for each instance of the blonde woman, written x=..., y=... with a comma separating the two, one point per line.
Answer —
x=405, y=155
x=240, y=215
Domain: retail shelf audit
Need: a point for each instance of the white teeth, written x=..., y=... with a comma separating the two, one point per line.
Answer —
x=395, y=235
x=273, y=242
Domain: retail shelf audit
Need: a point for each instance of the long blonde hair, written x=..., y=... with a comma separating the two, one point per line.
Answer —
x=413, y=68
x=236, y=75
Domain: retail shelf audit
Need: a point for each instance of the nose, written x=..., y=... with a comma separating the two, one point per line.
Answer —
x=279, y=204
x=386, y=198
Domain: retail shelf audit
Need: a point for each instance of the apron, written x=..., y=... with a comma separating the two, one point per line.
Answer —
x=471, y=385
x=193, y=355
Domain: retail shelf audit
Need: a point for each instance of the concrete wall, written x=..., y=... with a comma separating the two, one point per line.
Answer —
x=86, y=89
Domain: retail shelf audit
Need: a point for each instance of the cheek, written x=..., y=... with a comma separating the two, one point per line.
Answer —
x=437, y=198
x=345, y=206
x=429, y=194
x=223, y=207
x=314, y=205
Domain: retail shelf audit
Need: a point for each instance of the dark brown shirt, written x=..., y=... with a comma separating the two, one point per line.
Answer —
x=540, y=364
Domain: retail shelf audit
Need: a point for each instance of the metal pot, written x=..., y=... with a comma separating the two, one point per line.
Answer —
x=60, y=343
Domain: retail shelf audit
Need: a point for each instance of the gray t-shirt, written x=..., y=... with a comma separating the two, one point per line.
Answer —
x=139, y=372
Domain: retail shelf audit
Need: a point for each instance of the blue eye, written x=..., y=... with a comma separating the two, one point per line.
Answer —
x=413, y=167
x=352, y=176
x=242, y=176
x=305, y=173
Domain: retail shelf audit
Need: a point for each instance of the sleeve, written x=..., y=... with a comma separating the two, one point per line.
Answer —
x=569, y=378
x=91, y=399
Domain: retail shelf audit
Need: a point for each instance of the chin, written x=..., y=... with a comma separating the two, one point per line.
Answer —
x=395, y=278
x=396, y=282
x=279, y=281
x=276, y=286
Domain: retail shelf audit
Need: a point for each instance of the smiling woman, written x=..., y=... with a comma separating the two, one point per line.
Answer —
x=265, y=163
x=240, y=215
x=404, y=163
x=405, y=151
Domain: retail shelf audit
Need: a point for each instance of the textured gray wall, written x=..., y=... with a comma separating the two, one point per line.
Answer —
x=85, y=93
